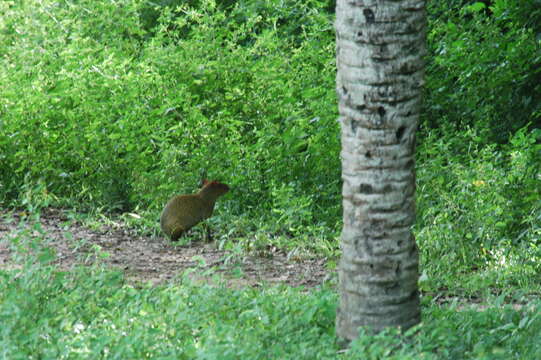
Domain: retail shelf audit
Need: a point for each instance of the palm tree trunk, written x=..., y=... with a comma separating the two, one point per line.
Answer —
x=380, y=49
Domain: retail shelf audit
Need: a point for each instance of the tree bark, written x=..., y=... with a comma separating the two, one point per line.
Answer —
x=380, y=50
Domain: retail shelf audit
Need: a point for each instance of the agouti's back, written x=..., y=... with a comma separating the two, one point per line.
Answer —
x=185, y=211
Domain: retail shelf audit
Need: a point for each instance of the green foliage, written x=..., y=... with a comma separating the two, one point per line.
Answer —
x=116, y=106
x=483, y=207
x=474, y=334
x=90, y=313
x=105, y=111
x=485, y=67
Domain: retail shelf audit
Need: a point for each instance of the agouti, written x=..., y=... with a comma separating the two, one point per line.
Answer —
x=185, y=211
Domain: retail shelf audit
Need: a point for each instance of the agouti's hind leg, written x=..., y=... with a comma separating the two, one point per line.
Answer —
x=208, y=233
x=176, y=234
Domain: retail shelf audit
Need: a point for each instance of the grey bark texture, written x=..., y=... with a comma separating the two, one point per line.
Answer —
x=380, y=50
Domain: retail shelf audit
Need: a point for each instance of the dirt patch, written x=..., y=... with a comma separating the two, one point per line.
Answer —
x=150, y=259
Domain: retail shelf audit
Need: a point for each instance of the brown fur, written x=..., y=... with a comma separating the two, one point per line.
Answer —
x=182, y=212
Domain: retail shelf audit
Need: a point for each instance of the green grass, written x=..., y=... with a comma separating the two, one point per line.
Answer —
x=92, y=312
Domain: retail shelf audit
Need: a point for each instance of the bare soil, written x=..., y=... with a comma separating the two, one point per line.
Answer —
x=155, y=260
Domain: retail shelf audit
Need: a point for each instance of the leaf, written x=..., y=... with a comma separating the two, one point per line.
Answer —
x=523, y=322
x=475, y=7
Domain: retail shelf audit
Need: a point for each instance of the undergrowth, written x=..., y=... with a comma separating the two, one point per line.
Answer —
x=92, y=312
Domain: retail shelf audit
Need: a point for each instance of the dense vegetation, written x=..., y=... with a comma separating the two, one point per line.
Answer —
x=110, y=107
x=90, y=314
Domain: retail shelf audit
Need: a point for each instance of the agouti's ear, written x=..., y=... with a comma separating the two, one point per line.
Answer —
x=204, y=182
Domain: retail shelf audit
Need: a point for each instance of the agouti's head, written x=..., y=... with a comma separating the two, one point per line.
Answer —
x=215, y=186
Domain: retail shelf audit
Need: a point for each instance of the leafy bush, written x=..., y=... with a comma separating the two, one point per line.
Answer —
x=485, y=67
x=105, y=114
x=483, y=207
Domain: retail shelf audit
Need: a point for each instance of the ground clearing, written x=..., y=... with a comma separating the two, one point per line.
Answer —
x=145, y=259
